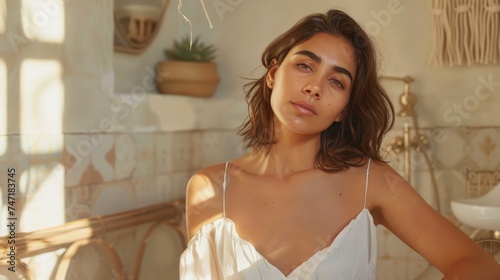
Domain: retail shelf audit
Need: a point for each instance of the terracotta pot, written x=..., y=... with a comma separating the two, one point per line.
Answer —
x=187, y=78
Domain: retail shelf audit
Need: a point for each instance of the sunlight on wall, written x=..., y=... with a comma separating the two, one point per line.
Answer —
x=42, y=144
x=43, y=20
x=42, y=97
x=3, y=16
x=3, y=101
x=44, y=189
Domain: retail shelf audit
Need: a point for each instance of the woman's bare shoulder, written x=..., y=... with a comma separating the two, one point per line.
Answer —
x=205, y=185
x=392, y=198
x=204, y=197
x=384, y=180
x=383, y=173
x=208, y=175
x=383, y=183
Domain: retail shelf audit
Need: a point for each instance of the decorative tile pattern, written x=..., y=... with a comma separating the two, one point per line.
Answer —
x=103, y=156
x=182, y=151
x=77, y=201
x=145, y=192
x=76, y=158
x=164, y=153
x=450, y=153
x=486, y=148
x=164, y=187
x=451, y=185
x=144, y=154
x=111, y=198
x=179, y=184
x=196, y=150
x=466, y=164
x=479, y=183
x=213, y=145
x=124, y=156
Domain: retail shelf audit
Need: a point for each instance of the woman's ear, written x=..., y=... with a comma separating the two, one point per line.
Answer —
x=270, y=76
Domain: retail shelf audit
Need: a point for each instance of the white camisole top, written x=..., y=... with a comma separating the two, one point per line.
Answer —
x=217, y=252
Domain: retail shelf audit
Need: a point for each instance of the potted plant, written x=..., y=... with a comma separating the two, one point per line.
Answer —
x=189, y=69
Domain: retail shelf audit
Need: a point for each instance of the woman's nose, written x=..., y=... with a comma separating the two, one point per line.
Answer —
x=313, y=89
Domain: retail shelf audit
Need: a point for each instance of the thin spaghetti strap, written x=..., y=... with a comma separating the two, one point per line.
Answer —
x=366, y=184
x=224, y=191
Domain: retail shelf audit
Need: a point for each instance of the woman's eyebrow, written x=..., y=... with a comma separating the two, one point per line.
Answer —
x=309, y=54
x=317, y=59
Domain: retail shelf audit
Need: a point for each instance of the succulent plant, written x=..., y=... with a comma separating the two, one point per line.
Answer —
x=185, y=51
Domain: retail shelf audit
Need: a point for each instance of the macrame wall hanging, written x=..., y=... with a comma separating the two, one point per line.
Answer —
x=465, y=32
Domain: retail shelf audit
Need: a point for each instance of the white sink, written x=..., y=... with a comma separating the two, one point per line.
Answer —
x=482, y=212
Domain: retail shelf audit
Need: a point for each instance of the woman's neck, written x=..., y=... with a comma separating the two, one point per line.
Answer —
x=290, y=154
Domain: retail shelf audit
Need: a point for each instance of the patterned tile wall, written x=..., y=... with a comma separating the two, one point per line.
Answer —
x=124, y=171
x=102, y=174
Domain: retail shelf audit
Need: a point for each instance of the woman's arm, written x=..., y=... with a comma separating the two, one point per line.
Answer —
x=473, y=268
x=398, y=207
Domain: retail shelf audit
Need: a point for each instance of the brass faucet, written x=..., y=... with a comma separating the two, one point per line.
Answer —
x=404, y=144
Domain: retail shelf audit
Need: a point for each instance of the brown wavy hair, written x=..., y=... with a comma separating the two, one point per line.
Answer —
x=368, y=115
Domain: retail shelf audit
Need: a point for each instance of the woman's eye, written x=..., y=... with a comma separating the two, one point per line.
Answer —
x=304, y=66
x=337, y=83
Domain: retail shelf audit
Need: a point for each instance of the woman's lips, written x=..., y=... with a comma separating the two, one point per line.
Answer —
x=304, y=107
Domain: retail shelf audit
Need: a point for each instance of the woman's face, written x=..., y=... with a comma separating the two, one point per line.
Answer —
x=311, y=87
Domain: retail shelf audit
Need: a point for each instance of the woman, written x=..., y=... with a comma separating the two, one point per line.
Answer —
x=304, y=203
